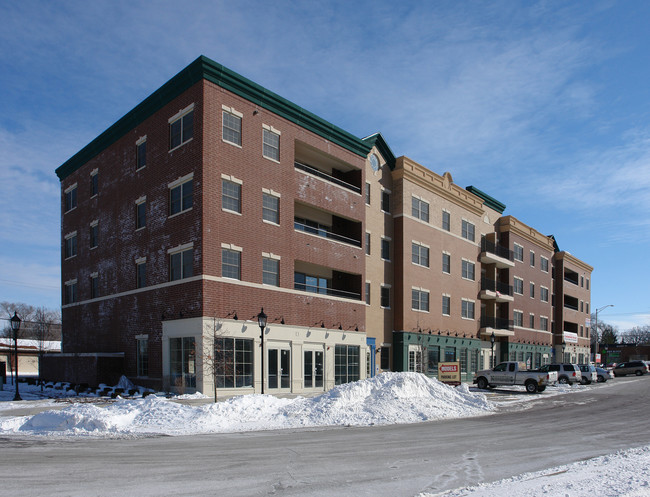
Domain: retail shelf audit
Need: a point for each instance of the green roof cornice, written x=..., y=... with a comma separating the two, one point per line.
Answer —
x=491, y=202
x=205, y=68
x=377, y=140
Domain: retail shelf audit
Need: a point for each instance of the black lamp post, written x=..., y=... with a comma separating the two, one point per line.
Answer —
x=15, y=326
x=563, y=348
x=492, y=339
x=261, y=320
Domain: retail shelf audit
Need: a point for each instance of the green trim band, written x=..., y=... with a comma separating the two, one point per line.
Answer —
x=491, y=202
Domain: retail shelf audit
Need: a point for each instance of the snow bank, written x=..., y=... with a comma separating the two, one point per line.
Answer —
x=385, y=399
x=622, y=474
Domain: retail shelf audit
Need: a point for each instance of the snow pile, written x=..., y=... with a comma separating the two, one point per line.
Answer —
x=385, y=399
x=622, y=474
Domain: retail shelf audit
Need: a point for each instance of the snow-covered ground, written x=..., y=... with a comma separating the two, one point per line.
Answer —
x=388, y=398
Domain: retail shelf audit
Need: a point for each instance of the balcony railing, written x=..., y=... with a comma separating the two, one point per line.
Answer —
x=325, y=234
x=326, y=177
x=493, y=248
x=496, y=323
x=496, y=286
x=327, y=291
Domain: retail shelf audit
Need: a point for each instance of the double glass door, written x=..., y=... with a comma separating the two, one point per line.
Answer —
x=313, y=369
x=279, y=368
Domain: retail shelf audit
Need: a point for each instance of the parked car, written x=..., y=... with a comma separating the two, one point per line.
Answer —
x=588, y=373
x=604, y=375
x=514, y=373
x=631, y=367
x=567, y=374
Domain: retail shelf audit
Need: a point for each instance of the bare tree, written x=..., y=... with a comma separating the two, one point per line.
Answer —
x=215, y=357
x=44, y=321
x=638, y=335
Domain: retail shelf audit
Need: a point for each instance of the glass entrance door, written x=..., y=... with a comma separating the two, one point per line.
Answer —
x=279, y=369
x=313, y=369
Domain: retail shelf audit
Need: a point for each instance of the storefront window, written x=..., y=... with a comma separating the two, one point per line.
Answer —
x=182, y=362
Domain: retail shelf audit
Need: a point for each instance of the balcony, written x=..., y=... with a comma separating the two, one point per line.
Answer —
x=501, y=327
x=331, y=178
x=496, y=290
x=321, y=280
x=491, y=253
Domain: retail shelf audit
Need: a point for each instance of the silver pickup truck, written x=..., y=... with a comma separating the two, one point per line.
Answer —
x=515, y=373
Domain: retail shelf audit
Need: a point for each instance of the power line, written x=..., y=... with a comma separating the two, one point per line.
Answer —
x=31, y=285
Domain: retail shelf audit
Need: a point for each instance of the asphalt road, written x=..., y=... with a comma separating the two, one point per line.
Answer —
x=400, y=460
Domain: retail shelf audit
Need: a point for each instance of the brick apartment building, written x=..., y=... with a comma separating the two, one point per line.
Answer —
x=215, y=198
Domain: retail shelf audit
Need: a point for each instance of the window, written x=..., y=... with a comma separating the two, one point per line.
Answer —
x=230, y=196
x=385, y=201
x=582, y=281
x=309, y=283
x=367, y=193
x=518, y=252
x=518, y=286
x=232, y=126
x=446, y=263
x=433, y=357
x=94, y=234
x=468, y=270
x=532, y=259
x=385, y=297
x=181, y=127
x=543, y=323
x=543, y=294
x=141, y=154
x=446, y=305
x=587, y=283
x=140, y=274
x=180, y=197
x=385, y=249
x=94, y=183
x=532, y=290
x=420, y=209
x=518, y=318
x=543, y=264
x=271, y=208
x=419, y=254
x=142, y=356
x=367, y=293
x=233, y=365
x=271, y=271
x=182, y=362
x=582, y=306
x=468, y=230
x=385, y=358
x=271, y=144
x=70, y=296
x=450, y=354
x=71, y=245
x=587, y=307
x=346, y=364
x=231, y=264
x=419, y=300
x=531, y=321
x=367, y=243
x=467, y=309
x=94, y=286
x=446, y=221
x=180, y=264
x=140, y=214
x=71, y=198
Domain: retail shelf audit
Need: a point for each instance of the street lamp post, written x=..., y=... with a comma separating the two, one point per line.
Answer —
x=15, y=326
x=563, y=348
x=261, y=321
x=596, y=327
x=492, y=339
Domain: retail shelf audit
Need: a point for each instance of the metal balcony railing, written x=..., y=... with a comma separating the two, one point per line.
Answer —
x=325, y=234
x=496, y=323
x=496, y=286
x=326, y=177
x=493, y=248
x=327, y=291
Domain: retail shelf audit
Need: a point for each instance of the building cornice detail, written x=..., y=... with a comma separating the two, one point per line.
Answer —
x=514, y=225
x=443, y=186
x=573, y=260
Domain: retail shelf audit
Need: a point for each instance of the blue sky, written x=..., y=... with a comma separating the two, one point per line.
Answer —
x=543, y=105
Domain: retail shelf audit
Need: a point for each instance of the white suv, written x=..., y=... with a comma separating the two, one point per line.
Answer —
x=589, y=374
x=567, y=374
